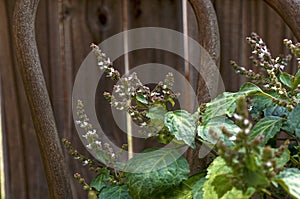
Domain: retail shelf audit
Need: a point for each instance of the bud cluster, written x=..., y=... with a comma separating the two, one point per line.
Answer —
x=94, y=142
x=270, y=69
x=105, y=64
x=130, y=95
x=248, y=155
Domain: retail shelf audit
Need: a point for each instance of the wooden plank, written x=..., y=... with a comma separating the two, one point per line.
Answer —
x=154, y=13
x=83, y=23
x=22, y=150
x=12, y=139
x=237, y=19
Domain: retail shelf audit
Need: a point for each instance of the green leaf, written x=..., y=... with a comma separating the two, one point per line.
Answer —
x=289, y=179
x=294, y=121
x=250, y=89
x=259, y=104
x=115, y=192
x=197, y=189
x=221, y=185
x=157, y=112
x=268, y=126
x=154, y=172
x=296, y=81
x=283, y=159
x=221, y=105
x=225, y=104
x=276, y=110
x=286, y=79
x=254, y=178
x=215, y=125
x=216, y=168
x=183, y=190
x=141, y=98
x=181, y=124
x=239, y=194
x=100, y=181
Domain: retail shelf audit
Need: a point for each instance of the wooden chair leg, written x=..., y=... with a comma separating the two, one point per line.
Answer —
x=38, y=98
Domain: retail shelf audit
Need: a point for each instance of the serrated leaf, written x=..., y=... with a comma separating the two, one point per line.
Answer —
x=141, y=98
x=221, y=105
x=215, y=125
x=268, y=126
x=115, y=192
x=216, y=168
x=155, y=171
x=283, y=159
x=294, y=121
x=156, y=112
x=276, y=110
x=259, y=104
x=221, y=185
x=289, y=179
x=198, y=189
x=183, y=190
x=286, y=79
x=100, y=181
x=181, y=124
x=296, y=81
x=250, y=89
x=254, y=178
x=239, y=194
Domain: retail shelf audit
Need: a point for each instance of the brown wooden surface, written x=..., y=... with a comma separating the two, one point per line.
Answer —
x=63, y=40
x=37, y=95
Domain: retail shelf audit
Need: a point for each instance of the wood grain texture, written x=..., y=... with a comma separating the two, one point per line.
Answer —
x=237, y=19
x=289, y=10
x=38, y=98
x=63, y=38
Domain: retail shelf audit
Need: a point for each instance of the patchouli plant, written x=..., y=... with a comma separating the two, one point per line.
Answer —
x=254, y=133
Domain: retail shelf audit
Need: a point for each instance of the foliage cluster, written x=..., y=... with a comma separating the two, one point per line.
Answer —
x=255, y=132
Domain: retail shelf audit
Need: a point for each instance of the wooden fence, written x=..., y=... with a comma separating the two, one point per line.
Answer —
x=64, y=31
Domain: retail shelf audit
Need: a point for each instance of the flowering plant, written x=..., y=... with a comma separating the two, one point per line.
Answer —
x=244, y=126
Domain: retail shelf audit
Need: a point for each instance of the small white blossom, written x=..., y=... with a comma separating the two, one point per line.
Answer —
x=85, y=163
x=269, y=164
x=246, y=122
x=232, y=138
x=238, y=117
x=247, y=131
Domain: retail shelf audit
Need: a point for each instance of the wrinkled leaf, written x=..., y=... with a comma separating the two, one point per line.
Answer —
x=250, y=89
x=215, y=126
x=156, y=112
x=239, y=194
x=276, y=110
x=155, y=171
x=198, y=189
x=268, y=126
x=100, y=181
x=221, y=185
x=181, y=124
x=225, y=104
x=183, y=190
x=221, y=105
x=294, y=121
x=115, y=192
x=289, y=179
x=216, y=168
x=283, y=159
x=286, y=79
x=296, y=81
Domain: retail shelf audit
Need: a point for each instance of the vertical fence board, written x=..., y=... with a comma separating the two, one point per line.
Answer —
x=64, y=39
x=237, y=19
